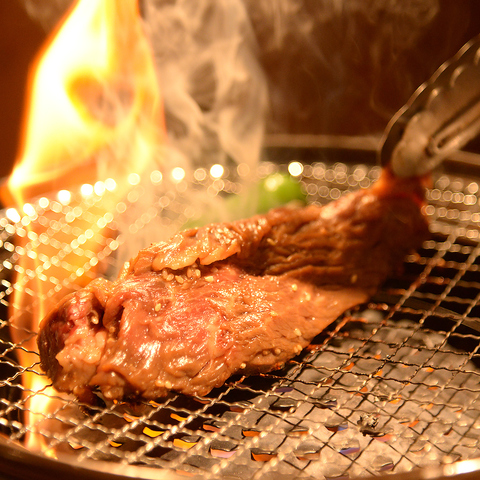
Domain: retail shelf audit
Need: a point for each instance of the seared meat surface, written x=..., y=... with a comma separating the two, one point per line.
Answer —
x=242, y=297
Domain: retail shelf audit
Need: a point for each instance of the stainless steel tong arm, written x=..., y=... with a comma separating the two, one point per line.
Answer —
x=442, y=116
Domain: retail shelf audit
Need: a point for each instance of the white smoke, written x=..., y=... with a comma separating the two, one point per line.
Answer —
x=46, y=13
x=213, y=87
x=340, y=67
x=344, y=66
x=214, y=90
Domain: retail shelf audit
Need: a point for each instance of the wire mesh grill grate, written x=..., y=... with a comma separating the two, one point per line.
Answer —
x=391, y=386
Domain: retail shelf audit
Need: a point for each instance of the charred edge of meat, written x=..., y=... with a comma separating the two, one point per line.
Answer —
x=77, y=309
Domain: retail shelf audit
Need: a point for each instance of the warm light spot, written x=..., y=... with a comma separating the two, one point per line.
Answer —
x=133, y=196
x=99, y=188
x=56, y=207
x=243, y=169
x=156, y=176
x=64, y=197
x=273, y=182
x=459, y=468
x=121, y=207
x=9, y=247
x=110, y=184
x=178, y=174
x=134, y=179
x=44, y=202
x=295, y=169
x=29, y=210
x=86, y=190
x=217, y=170
x=13, y=215
x=101, y=223
x=200, y=174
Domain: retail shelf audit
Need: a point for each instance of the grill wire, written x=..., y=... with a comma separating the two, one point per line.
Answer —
x=391, y=386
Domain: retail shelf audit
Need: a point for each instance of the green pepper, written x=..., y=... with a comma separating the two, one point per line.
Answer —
x=276, y=190
x=273, y=191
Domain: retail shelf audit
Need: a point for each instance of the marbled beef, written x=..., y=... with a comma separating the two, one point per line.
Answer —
x=240, y=297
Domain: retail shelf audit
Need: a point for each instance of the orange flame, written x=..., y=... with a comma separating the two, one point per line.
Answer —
x=93, y=87
x=94, y=113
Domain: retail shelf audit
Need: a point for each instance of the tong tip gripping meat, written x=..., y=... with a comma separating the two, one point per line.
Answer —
x=441, y=117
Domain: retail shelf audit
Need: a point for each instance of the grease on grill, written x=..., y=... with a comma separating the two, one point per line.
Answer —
x=213, y=425
x=383, y=464
x=284, y=405
x=222, y=449
x=336, y=426
x=326, y=402
x=297, y=431
x=153, y=432
x=260, y=455
x=351, y=448
x=308, y=452
x=186, y=442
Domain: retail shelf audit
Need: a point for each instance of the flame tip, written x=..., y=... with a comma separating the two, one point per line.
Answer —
x=89, y=101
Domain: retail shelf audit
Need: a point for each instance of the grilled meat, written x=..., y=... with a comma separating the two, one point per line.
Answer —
x=242, y=297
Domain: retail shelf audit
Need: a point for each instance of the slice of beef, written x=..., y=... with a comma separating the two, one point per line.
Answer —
x=242, y=297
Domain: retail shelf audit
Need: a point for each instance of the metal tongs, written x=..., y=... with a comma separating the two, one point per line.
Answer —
x=440, y=118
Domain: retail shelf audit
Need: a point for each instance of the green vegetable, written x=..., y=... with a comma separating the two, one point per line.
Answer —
x=276, y=190
x=272, y=191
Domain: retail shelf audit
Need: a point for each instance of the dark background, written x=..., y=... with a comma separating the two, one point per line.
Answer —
x=306, y=94
x=20, y=39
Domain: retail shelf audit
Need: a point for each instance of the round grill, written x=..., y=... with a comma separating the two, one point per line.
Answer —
x=391, y=386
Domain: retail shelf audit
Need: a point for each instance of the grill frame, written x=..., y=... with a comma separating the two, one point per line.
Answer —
x=19, y=458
